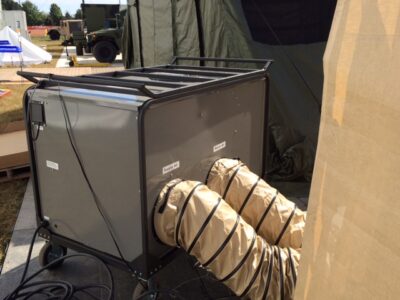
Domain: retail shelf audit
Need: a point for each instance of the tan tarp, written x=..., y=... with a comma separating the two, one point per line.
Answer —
x=189, y=215
x=13, y=150
x=351, y=247
x=274, y=217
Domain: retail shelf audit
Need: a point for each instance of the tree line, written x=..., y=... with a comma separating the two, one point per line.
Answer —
x=34, y=16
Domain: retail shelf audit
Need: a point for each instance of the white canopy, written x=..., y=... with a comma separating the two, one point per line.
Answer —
x=31, y=54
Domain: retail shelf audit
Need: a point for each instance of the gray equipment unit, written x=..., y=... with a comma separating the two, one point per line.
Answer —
x=102, y=147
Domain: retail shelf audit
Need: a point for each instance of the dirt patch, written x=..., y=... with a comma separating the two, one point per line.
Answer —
x=11, y=195
x=11, y=104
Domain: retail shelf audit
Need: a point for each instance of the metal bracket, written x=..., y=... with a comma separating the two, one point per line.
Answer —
x=37, y=113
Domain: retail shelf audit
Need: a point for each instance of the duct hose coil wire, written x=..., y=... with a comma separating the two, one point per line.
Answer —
x=188, y=214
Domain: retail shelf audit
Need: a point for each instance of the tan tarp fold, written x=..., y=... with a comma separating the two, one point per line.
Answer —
x=351, y=248
x=190, y=215
x=274, y=217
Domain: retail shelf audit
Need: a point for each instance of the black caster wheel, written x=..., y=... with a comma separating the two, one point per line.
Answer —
x=139, y=292
x=144, y=292
x=51, y=252
x=71, y=63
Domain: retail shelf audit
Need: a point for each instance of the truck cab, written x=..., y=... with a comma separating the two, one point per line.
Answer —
x=66, y=30
x=103, y=33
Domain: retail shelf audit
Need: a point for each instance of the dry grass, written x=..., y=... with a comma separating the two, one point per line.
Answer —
x=11, y=104
x=11, y=195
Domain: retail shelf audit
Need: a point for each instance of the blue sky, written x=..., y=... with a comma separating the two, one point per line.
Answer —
x=69, y=5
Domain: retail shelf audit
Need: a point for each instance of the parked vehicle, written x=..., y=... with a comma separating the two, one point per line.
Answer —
x=105, y=44
x=103, y=33
x=66, y=30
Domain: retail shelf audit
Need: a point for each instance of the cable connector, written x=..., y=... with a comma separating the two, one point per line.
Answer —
x=44, y=223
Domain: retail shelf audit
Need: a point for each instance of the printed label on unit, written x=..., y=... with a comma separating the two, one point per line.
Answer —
x=52, y=165
x=219, y=146
x=171, y=167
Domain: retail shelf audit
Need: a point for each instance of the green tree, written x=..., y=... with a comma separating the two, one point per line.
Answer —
x=55, y=14
x=10, y=5
x=33, y=15
x=68, y=16
x=47, y=20
x=78, y=14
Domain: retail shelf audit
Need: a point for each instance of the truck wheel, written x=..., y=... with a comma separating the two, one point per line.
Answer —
x=79, y=49
x=49, y=253
x=105, y=52
x=54, y=35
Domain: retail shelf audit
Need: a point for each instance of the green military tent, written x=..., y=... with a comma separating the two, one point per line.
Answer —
x=291, y=32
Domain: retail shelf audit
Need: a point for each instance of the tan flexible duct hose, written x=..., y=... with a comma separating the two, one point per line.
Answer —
x=190, y=215
x=274, y=217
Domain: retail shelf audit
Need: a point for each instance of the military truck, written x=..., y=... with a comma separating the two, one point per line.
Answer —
x=66, y=30
x=103, y=33
x=105, y=44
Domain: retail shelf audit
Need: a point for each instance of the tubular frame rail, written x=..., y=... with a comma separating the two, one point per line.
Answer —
x=175, y=79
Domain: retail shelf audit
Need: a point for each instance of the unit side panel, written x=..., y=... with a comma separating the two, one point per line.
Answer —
x=106, y=139
x=184, y=137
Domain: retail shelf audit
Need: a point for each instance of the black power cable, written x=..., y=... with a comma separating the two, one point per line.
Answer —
x=96, y=199
x=56, y=289
x=29, y=117
x=28, y=258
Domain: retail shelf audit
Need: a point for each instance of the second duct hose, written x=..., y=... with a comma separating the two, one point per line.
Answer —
x=188, y=214
x=275, y=218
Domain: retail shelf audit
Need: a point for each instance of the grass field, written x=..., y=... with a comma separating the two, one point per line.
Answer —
x=11, y=195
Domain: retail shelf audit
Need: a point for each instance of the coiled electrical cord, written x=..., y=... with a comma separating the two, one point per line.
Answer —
x=57, y=289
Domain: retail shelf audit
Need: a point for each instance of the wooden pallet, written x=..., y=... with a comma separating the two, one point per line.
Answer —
x=14, y=173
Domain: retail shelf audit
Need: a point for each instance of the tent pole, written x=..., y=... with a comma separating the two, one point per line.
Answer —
x=139, y=33
x=21, y=56
x=200, y=30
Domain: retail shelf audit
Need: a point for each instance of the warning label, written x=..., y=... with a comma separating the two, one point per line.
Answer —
x=171, y=167
x=219, y=146
x=52, y=165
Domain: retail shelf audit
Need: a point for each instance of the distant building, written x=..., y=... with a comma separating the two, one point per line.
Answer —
x=16, y=20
